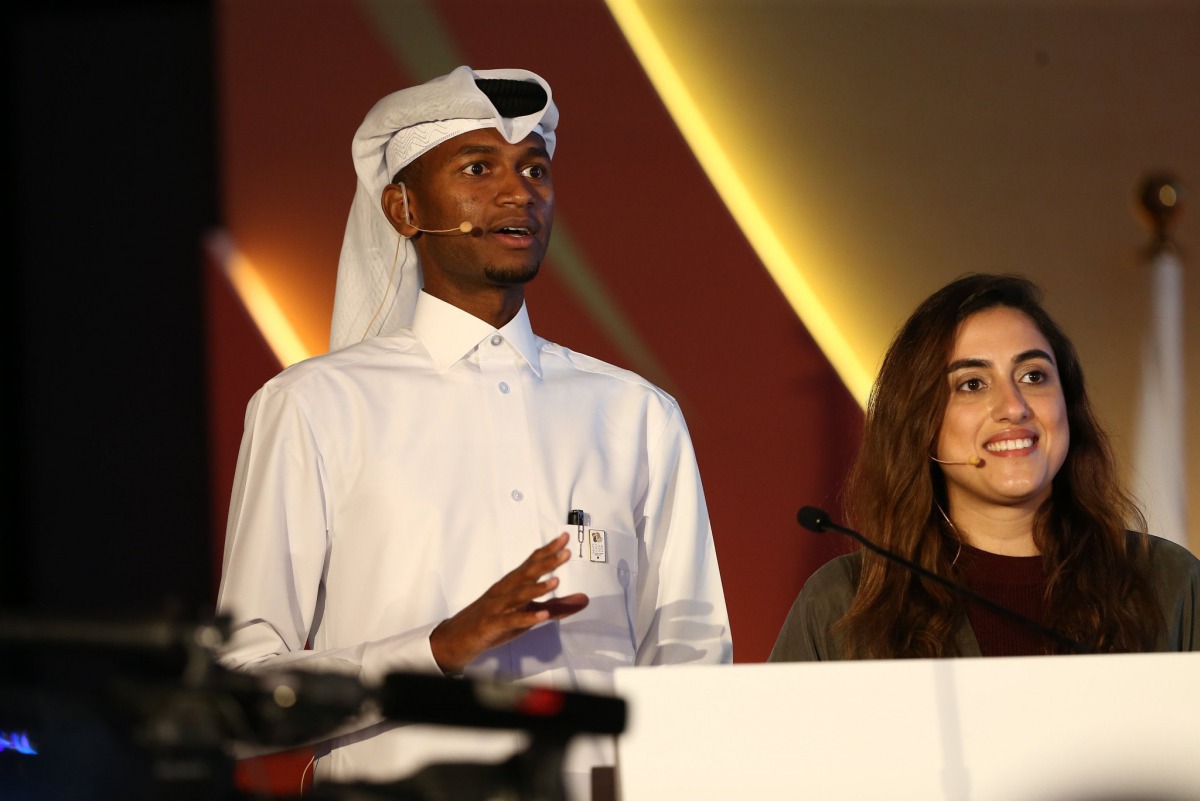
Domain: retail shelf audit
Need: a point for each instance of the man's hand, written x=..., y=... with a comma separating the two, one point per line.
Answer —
x=507, y=610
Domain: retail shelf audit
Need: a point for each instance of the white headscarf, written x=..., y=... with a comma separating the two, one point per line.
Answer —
x=377, y=284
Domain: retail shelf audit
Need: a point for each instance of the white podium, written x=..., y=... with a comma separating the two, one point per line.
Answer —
x=1065, y=728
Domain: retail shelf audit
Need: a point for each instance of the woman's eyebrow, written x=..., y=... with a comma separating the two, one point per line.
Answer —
x=1025, y=355
x=1033, y=353
x=961, y=363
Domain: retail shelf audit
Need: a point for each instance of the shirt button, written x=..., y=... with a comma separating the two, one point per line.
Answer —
x=504, y=387
x=518, y=496
x=496, y=340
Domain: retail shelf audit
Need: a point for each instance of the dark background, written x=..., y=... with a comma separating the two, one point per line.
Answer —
x=112, y=184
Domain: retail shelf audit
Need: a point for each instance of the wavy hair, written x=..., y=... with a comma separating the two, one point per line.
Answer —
x=1098, y=592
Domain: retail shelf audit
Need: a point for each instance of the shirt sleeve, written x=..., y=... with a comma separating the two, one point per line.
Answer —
x=276, y=551
x=807, y=632
x=681, y=615
x=1189, y=614
x=1176, y=578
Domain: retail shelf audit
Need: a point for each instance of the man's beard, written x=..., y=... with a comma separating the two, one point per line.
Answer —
x=511, y=276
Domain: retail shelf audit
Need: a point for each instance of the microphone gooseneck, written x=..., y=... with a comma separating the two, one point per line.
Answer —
x=818, y=520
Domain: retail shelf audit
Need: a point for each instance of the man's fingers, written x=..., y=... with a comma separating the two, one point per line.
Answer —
x=518, y=597
x=519, y=621
x=542, y=561
x=556, y=544
x=508, y=609
x=558, y=608
x=548, y=557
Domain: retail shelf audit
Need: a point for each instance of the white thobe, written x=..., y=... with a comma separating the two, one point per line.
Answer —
x=384, y=486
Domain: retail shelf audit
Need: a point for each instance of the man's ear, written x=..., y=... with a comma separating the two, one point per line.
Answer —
x=398, y=207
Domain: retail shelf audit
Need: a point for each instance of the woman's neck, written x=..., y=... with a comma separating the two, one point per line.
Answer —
x=1007, y=531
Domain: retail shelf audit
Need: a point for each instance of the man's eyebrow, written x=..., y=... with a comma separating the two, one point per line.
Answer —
x=491, y=150
x=1025, y=355
x=471, y=150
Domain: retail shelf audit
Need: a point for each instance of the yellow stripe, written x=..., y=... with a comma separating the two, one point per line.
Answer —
x=780, y=264
x=266, y=312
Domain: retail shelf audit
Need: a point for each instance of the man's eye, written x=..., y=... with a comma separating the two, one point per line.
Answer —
x=535, y=171
x=475, y=168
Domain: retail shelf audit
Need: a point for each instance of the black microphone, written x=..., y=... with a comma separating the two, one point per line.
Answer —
x=818, y=520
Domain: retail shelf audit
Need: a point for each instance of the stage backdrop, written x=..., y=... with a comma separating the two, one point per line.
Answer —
x=751, y=197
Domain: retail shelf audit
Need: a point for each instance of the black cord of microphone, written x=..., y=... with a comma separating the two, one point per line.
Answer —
x=818, y=520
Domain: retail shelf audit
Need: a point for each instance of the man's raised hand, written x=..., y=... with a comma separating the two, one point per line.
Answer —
x=507, y=610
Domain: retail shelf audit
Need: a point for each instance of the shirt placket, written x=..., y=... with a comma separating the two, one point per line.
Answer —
x=511, y=450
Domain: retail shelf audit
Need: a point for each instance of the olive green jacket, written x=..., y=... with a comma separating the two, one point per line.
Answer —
x=807, y=632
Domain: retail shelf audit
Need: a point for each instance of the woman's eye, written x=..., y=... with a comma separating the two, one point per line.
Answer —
x=971, y=385
x=1034, y=377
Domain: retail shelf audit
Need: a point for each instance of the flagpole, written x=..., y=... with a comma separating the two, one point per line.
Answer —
x=1160, y=441
x=1160, y=199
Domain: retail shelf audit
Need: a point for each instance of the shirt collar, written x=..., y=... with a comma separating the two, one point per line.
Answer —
x=449, y=333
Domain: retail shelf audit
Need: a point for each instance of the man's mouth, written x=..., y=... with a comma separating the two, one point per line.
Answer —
x=510, y=230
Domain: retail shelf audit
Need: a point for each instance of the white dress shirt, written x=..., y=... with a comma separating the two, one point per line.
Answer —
x=383, y=487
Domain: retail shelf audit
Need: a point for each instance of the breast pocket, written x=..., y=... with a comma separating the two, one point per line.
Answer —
x=601, y=636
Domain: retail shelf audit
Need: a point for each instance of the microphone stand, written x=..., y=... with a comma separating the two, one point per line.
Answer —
x=818, y=520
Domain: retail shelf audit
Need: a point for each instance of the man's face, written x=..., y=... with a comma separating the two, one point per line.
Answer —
x=502, y=189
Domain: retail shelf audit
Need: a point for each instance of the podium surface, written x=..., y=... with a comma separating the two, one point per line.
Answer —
x=1061, y=728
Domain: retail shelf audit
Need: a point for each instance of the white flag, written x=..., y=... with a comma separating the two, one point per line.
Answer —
x=1160, y=435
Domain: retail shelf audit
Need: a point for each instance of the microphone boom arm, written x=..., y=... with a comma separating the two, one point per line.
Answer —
x=816, y=520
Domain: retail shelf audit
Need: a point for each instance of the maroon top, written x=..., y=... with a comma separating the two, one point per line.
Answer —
x=1014, y=582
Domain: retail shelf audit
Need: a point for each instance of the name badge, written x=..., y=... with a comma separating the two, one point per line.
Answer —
x=597, y=551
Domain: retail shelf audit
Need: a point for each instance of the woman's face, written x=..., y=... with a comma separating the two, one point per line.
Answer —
x=1007, y=408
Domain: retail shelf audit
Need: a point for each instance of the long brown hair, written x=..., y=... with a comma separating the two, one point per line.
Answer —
x=1098, y=593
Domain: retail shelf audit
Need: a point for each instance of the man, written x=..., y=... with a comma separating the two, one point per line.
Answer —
x=399, y=502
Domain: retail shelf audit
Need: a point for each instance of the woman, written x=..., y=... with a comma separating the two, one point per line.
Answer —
x=983, y=462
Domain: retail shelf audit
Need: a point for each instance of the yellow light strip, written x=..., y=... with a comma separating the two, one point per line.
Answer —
x=268, y=316
x=725, y=179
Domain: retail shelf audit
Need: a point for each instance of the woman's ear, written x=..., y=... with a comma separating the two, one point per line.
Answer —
x=398, y=207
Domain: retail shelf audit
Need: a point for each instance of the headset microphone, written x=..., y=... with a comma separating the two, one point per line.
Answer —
x=974, y=461
x=463, y=227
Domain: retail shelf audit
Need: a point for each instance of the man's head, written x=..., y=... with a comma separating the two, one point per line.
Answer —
x=502, y=196
x=378, y=276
